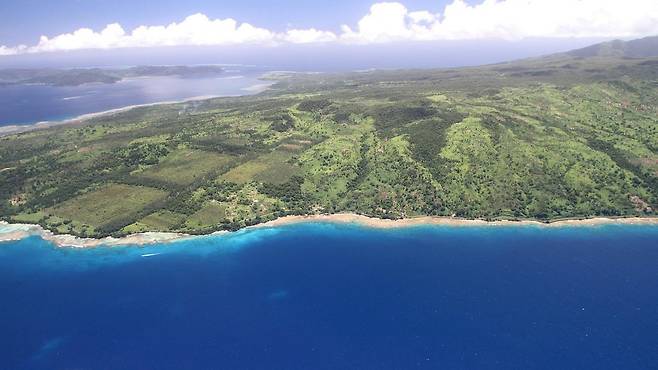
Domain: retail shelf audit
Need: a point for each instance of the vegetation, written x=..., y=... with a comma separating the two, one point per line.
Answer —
x=570, y=135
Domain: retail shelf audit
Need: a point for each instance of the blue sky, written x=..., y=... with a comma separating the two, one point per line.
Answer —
x=40, y=26
x=23, y=21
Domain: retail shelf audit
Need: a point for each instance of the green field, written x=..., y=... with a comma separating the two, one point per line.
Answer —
x=208, y=216
x=184, y=166
x=158, y=221
x=273, y=168
x=107, y=205
x=571, y=135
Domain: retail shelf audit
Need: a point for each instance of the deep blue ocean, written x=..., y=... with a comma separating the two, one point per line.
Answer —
x=323, y=296
x=28, y=104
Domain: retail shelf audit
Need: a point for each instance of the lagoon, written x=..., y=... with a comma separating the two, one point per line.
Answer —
x=29, y=104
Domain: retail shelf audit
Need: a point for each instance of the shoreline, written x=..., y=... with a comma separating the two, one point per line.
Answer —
x=14, y=232
x=380, y=223
x=18, y=129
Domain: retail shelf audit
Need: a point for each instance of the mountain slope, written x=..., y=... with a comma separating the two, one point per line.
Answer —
x=640, y=48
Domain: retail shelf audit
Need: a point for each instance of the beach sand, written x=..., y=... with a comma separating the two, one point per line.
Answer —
x=350, y=218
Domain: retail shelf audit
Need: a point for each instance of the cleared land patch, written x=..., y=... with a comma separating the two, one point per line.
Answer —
x=210, y=215
x=159, y=221
x=272, y=168
x=185, y=166
x=111, y=203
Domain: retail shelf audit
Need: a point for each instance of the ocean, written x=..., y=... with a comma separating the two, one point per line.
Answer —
x=29, y=104
x=328, y=296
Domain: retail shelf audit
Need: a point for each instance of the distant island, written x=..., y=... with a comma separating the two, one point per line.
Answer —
x=571, y=135
x=79, y=76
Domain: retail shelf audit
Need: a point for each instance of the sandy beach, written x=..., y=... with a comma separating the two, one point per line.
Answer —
x=13, y=232
x=350, y=218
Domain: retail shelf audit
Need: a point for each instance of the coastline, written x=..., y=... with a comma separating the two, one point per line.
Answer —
x=379, y=223
x=17, y=129
x=13, y=232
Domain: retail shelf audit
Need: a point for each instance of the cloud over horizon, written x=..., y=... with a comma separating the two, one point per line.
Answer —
x=386, y=22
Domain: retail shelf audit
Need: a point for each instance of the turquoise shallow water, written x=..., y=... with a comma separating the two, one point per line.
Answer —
x=327, y=296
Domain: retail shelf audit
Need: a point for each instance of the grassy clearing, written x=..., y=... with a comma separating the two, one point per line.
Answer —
x=158, y=221
x=274, y=167
x=108, y=204
x=210, y=215
x=245, y=172
x=29, y=218
x=185, y=166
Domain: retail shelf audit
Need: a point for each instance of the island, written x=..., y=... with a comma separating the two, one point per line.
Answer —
x=571, y=135
x=80, y=76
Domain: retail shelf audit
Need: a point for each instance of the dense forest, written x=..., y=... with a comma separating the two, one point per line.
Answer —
x=566, y=136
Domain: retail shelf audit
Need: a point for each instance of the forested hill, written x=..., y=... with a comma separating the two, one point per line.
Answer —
x=545, y=138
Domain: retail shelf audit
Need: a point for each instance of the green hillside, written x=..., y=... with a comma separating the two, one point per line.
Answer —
x=640, y=48
x=570, y=135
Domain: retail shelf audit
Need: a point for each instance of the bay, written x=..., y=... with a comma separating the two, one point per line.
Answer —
x=29, y=104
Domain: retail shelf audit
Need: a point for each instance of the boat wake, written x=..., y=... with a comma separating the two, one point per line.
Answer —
x=150, y=254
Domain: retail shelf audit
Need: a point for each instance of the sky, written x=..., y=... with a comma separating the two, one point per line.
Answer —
x=24, y=21
x=36, y=27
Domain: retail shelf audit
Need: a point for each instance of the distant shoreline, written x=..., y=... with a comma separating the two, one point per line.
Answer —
x=15, y=232
x=17, y=129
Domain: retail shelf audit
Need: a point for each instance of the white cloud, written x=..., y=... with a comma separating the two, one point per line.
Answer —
x=196, y=29
x=7, y=51
x=508, y=19
x=386, y=22
x=308, y=36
